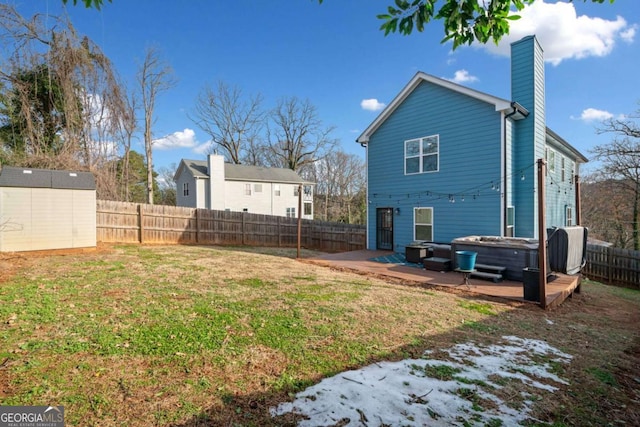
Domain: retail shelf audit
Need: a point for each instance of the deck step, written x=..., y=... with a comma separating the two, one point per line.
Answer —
x=437, y=264
x=496, y=278
x=496, y=269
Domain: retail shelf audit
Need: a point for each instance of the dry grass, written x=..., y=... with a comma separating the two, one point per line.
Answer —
x=191, y=336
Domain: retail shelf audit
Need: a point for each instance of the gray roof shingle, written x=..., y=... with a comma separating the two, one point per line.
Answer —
x=235, y=172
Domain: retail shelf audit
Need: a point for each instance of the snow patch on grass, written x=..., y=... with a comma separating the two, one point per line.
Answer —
x=434, y=392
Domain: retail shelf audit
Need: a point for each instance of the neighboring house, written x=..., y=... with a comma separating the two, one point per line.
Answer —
x=214, y=184
x=446, y=161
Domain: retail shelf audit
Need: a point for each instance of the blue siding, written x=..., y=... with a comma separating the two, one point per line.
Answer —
x=469, y=154
x=560, y=193
x=527, y=88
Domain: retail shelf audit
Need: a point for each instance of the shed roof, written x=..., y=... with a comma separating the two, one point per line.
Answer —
x=11, y=176
x=233, y=172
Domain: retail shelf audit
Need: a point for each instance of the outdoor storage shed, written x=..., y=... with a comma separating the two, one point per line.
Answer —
x=46, y=209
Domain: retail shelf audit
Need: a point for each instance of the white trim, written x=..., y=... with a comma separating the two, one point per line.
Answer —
x=503, y=169
x=500, y=104
x=432, y=222
x=421, y=154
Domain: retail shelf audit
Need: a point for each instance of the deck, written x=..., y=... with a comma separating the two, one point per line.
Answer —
x=558, y=290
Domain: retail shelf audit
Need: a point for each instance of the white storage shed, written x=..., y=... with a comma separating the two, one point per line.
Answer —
x=46, y=209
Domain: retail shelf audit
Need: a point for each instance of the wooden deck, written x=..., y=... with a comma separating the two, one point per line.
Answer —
x=559, y=288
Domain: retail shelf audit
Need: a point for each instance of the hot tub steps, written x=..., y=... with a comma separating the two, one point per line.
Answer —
x=489, y=272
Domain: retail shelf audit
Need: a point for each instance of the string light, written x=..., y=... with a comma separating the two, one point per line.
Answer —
x=481, y=189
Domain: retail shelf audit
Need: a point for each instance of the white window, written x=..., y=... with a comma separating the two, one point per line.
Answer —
x=247, y=189
x=423, y=224
x=185, y=189
x=291, y=212
x=550, y=157
x=308, y=208
x=276, y=189
x=562, y=171
x=511, y=219
x=257, y=188
x=421, y=155
x=568, y=216
x=295, y=191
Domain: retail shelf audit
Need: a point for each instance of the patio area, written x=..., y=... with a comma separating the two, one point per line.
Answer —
x=392, y=265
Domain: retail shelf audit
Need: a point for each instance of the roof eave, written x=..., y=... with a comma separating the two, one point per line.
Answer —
x=581, y=158
x=499, y=103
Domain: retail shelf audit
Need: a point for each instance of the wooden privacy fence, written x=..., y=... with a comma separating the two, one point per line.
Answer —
x=614, y=266
x=122, y=222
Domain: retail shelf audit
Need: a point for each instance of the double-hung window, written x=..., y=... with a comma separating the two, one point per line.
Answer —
x=550, y=157
x=568, y=216
x=421, y=155
x=511, y=221
x=423, y=224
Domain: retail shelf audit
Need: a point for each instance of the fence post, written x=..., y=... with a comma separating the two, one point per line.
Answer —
x=243, y=225
x=278, y=231
x=141, y=223
x=197, y=226
x=609, y=266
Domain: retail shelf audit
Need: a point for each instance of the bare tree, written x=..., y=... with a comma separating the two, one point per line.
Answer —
x=232, y=122
x=621, y=163
x=296, y=137
x=605, y=210
x=128, y=127
x=167, y=184
x=340, y=181
x=62, y=100
x=154, y=77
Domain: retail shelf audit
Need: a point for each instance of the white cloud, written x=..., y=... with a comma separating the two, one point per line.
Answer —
x=563, y=34
x=592, y=114
x=372, y=104
x=203, y=148
x=463, y=76
x=179, y=139
x=628, y=34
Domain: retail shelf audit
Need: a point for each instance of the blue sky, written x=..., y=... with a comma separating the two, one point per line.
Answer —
x=334, y=55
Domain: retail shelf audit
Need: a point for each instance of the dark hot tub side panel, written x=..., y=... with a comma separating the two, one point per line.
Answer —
x=514, y=255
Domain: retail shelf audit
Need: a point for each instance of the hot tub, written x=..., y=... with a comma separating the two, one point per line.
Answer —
x=515, y=253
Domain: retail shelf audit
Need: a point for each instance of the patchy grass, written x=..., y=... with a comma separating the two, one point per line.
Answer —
x=186, y=335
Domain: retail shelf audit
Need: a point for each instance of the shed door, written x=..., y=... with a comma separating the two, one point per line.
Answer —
x=384, y=228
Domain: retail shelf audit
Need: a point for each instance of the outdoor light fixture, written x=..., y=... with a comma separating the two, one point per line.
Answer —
x=397, y=211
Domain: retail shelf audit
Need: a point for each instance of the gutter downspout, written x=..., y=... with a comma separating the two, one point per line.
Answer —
x=365, y=145
x=504, y=162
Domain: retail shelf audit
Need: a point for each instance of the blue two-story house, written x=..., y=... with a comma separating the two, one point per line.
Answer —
x=446, y=161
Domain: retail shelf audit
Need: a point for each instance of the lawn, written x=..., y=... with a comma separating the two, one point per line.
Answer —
x=190, y=336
